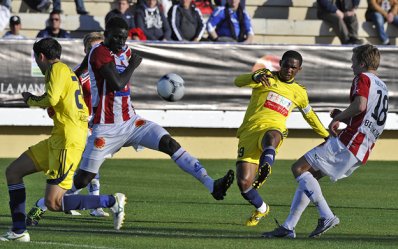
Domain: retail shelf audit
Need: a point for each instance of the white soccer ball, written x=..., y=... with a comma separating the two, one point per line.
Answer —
x=171, y=87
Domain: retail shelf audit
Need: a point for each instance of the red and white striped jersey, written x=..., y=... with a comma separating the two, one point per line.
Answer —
x=84, y=80
x=109, y=106
x=363, y=130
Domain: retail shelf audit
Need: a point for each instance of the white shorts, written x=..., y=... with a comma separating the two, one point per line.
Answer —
x=107, y=139
x=333, y=159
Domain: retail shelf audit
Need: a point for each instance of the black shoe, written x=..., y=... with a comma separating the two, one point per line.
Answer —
x=222, y=185
x=356, y=41
x=82, y=12
x=264, y=171
x=280, y=232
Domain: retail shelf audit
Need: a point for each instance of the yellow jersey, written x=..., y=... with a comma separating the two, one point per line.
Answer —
x=270, y=107
x=64, y=94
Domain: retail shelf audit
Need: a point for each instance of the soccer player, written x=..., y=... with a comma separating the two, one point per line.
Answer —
x=115, y=123
x=344, y=151
x=274, y=96
x=36, y=212
x=60, y=154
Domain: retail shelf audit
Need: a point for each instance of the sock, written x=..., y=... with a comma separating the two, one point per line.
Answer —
x=253, y=197
x=193, y=167
x=299, y=204
x=268, y=156
x=312, y=189
x=17, y=195
x=82, y=202
x=41, y=204
x=94, y=186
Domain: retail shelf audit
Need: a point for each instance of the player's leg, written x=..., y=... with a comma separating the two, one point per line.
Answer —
x=94, y=189
x=156, y=137
x=246, y=173
x=115, y=202
x=19, y=168
x=270, y=142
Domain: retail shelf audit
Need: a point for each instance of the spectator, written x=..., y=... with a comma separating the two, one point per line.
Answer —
x=340, y=14
x=205, y=6
x=15, y=28
x=54, y=27
x=186, y=22
x=380, y=11
x=123, y=10
x=230, y=23
x=152, y=21
x=80, y=9
x=136, y=34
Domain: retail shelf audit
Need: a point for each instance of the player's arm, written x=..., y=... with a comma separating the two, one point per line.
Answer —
x=313, y=120
x=118, y=81
x=356, y=107
x=256, y=79
x=83, y=66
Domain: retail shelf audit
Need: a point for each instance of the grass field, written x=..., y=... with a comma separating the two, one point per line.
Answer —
x=169, y=209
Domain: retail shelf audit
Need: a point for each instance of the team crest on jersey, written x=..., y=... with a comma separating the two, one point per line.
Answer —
x=99, y=142
x=278, y=103
x=139, y=123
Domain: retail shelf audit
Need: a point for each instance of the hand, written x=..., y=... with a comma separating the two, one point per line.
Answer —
x=390, y=17
x=340, y=14
x=26, y=96
x=334, y=113
x=135, y=59
x=261, y=76
x=333, y=127
x=349, y=13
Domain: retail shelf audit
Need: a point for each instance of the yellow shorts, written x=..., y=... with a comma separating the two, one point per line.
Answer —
x=250, y=148
x=59, y=165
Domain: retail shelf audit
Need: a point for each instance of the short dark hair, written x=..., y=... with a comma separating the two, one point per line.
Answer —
x=116, y=22
x=49, y=47
x=58, y=12
x=293, y=54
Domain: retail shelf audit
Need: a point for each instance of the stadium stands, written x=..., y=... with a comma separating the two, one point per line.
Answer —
x=274, y=21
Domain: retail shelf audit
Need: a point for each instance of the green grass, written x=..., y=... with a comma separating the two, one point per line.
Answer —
x=169, y=209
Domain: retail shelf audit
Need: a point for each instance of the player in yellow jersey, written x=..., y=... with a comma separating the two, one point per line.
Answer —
x=274, y=96
x=59, y=155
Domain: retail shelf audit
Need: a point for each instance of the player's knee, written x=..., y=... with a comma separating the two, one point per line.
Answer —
x=244, y=183
x=82, y=179
x=168, y=145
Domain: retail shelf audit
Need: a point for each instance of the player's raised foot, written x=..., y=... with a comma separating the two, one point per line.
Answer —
x=222, y=184
x=73, y=212
x=256, y=217
x=34, y=216
x=324, y=225
x=264, y=171
x=19, y=237
x=118, y=210
x=99, y=212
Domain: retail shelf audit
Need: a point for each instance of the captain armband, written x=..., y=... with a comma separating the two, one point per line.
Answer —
x=306, y=109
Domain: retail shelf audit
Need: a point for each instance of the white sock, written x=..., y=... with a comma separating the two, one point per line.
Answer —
x=94, y=187
x=299, y=204
x=263, y=208
x=312, y=189
x=192, y=166
x=41, y=205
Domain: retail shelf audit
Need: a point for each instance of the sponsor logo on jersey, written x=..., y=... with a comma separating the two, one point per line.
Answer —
x=99, y=142
x=278, y=103
x=139, y=122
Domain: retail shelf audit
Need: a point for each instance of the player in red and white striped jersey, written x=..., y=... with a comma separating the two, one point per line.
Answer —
x=115, y=123
x=344, y=151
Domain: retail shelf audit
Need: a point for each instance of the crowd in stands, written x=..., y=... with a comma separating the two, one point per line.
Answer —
x=210, y=20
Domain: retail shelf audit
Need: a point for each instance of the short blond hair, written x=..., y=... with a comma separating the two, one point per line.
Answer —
x=367, y=54
x=90, y=37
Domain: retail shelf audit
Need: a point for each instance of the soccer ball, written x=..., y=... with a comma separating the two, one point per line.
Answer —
x=171, y=87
